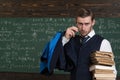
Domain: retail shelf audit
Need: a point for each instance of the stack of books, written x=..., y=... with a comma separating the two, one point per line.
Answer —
x=101, y=67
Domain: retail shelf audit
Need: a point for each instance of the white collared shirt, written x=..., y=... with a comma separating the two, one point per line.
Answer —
x=105, y=45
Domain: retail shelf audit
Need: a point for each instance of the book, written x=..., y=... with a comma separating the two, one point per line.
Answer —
x=101, y=58
x=102, y=53
x=102, y=67
x=110, y=75
x=104, y=78
x=103, y=63
x=100, y=71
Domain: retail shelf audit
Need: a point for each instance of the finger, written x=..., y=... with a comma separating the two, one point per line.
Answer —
x=75, y=29
x=72, y=30
x=73, y=33
x=70, y=33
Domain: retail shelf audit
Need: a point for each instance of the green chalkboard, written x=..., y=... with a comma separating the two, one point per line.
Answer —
x=23, y=39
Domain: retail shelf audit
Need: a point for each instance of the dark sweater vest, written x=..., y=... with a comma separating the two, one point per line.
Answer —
x=83, y=62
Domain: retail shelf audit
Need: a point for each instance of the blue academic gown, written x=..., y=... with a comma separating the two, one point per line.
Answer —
x=73, y=57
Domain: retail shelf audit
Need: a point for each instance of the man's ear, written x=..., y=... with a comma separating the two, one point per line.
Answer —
x=93, y=23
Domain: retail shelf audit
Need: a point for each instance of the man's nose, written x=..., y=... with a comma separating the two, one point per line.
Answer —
x=83, y=27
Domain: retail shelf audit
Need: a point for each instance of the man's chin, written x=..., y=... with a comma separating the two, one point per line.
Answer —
x=83, y=34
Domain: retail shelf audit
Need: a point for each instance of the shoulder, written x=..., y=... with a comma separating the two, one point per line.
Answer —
x=106, y=46
x=105, y=41
x=98, y=36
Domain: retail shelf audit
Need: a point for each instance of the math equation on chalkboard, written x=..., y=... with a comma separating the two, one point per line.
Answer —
x=22, y=40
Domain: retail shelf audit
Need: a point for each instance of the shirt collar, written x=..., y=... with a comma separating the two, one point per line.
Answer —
x=92, y=33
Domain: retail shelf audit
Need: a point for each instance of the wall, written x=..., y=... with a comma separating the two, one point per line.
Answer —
x=57, y=8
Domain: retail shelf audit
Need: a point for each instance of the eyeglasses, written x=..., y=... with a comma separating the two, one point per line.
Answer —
x=81, y=24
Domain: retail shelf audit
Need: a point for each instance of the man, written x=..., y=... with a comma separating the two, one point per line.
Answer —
x=76, y=49
x=84, y=25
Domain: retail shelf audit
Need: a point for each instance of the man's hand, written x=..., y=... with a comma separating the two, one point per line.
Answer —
x=70, y=32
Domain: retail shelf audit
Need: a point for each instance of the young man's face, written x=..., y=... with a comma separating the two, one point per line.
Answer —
x=84, y=25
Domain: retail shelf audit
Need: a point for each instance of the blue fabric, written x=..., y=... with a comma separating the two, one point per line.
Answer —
x=73, y=57
x=48, y=53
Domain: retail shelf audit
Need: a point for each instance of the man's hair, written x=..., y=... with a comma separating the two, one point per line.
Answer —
x=85, y=13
